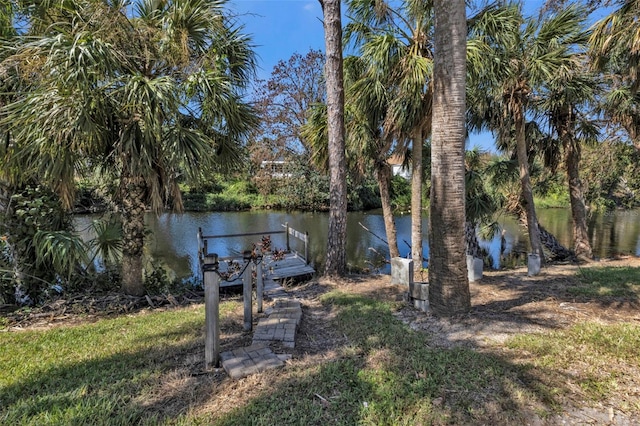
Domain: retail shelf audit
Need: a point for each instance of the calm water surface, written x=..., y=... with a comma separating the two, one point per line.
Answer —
x=173, y=237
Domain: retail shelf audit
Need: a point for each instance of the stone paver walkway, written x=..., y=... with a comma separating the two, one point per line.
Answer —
x=280, y=325
x=242, y=362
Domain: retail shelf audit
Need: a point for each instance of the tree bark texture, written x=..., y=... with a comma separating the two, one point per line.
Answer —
x=448, y=281
x=134, y=192
x=525, y=182
x=336, y=261
x=550, y=241
x=383, y=175
x=471, y=240
x=581, y=244
x=416, y=201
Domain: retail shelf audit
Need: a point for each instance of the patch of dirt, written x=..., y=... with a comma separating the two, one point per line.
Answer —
x=509, y=302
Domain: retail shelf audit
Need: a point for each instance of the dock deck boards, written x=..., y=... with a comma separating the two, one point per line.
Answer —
x=276, y=270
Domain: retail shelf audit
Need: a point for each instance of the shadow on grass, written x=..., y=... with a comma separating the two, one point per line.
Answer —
x=388, y=374
x=608, y=284
x=123, y=386
x=606, y=287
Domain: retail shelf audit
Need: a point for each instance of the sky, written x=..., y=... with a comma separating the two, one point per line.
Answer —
x=280, y=28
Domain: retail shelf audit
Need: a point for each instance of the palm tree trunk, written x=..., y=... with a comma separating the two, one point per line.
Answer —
x=525, y=181
x=336, y=261
x=550, y=241
x=133, y=209
x=581, y=244
x=547, y=239
x=416, y=201
x=383, y=175
x=448, y=281
x=471, y=240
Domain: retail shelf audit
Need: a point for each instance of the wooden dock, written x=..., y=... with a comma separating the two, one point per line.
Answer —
x=289, y=267
x=292, y=265
x=260, y=268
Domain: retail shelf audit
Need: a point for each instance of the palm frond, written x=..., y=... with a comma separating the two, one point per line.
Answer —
x=62, y=250
x=107, y=243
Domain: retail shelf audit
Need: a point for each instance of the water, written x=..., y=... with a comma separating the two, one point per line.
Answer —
x=173, y=237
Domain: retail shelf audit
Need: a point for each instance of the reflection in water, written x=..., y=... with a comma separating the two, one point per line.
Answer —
x=172, y=238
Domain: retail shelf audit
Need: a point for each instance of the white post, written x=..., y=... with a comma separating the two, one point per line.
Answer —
x=306, y=248
x=246, y=295
x=259, y=285
x=211, y=311
x=286, y=225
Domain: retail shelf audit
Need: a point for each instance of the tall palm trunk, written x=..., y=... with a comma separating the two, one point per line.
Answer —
x=416, y=200
x=547, y=239
x=336, y=261
x=525, y=181
x=133, y=210
x=448, y=282
x=581, y=244
x=471, y=240
x=383, y=175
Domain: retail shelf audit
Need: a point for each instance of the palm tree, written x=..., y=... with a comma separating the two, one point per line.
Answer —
x=561, y=102
x=368, y=146
x=151, y=96
x=336, y=262
x=525, y=54
x=397, y=45
x=615, y=43
x=482, y=201
x=448, y=283
x=9, y=84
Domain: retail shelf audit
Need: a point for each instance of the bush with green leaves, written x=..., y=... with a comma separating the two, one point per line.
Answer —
x=39, y=248
x=611, y=175
x=363, y=195
x=400, y=193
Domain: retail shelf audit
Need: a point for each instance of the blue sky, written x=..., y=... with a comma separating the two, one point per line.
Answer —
x=281, y=28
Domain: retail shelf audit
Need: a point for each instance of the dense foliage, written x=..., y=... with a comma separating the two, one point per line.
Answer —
x=142, y=105
x=36, y=214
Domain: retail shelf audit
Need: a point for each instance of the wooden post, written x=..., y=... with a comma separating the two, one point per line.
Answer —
x=306, y=247
x=211, y=311
x=246, y=296
x=259, y=285
x=286, y=225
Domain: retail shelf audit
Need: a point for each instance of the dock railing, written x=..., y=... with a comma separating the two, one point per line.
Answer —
x=210, y=269
x=203, y=246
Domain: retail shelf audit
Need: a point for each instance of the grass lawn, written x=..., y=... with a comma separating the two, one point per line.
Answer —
x=146, y=368
x=608, y=282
